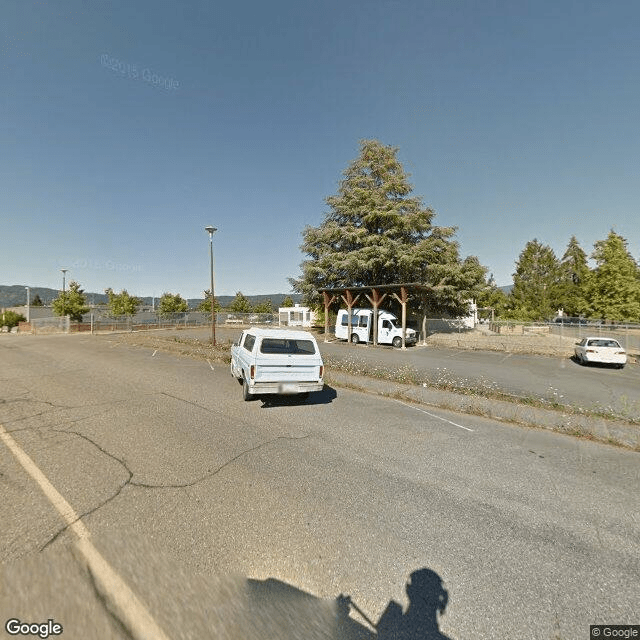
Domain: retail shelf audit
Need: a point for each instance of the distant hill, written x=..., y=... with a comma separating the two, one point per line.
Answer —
x=506, y=289
x=16, y=296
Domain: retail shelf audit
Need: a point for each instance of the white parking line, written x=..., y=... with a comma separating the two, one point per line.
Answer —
x=433, y=415
x=210, y=365
x=132, y=613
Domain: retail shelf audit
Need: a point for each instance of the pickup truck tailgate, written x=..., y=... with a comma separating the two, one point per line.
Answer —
x=297, y=369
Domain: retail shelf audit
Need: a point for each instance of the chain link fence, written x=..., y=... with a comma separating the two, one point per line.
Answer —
x=145, y=321
x=58, y=324
x=627, y=334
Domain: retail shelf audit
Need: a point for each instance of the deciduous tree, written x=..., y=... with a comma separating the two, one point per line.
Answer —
x=172, y=303
x=492, y=297
x=72, y=303
x=122, y=304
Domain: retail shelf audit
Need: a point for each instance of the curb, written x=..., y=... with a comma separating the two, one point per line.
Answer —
x=615, y=432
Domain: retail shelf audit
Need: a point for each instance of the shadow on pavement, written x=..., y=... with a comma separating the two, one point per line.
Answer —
x=279, y=610
x=326, y=396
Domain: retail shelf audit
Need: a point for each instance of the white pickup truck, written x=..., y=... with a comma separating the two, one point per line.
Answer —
x=282, y=361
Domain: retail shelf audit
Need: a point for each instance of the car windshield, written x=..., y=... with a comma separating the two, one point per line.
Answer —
x=288, y=346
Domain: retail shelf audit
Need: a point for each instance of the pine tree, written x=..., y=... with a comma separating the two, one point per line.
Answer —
x=535, y=284
x=614, y=288
x=266, y=306
x=205, y=305
x=375, y=232
x=573, y=280
x=240, y=304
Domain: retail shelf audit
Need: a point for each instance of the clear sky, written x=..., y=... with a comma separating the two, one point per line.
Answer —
x=127, y=126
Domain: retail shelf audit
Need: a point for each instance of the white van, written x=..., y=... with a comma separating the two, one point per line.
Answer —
x=389, y=327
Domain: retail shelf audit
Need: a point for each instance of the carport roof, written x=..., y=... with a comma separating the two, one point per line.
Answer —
x=409, y=285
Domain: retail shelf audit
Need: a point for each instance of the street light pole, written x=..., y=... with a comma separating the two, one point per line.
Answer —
x=211, y=231
x=28, y=320
x=64, y=301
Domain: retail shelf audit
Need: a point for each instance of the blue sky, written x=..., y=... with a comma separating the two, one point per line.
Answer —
x=127, y=127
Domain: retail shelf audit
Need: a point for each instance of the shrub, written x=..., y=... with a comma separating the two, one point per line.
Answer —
x=11, y=319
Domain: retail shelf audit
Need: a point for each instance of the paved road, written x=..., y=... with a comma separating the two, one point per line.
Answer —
x=180, y=485
x=552, y=379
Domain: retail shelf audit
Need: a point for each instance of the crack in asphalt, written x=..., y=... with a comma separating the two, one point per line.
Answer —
x=212, y=473
x=129, y=482
x=191, y=402
x=104, y=502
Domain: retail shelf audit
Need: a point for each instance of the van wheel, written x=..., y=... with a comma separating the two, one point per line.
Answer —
x=245, y=390
x=354, y=338
x=397, y=342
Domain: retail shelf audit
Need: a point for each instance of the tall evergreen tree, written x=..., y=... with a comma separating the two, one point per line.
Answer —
x=614, y=288
x=535, y=284
x=573, y=277
x=375, y=232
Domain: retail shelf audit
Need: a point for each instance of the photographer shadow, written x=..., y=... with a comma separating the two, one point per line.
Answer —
x=427, y=599
x=289, y=612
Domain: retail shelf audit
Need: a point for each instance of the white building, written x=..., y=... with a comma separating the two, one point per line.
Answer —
x=295, y=316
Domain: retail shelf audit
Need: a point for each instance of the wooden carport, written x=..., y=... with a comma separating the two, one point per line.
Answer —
x=375, y=294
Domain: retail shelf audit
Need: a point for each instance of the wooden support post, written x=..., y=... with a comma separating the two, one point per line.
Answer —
x=328, y=300
x=376, y=300
x=402, y=299
x=349, y=300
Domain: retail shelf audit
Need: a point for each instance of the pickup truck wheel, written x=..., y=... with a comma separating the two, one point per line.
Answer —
x=245, y=390
x=397, y=342
x=354, y=338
